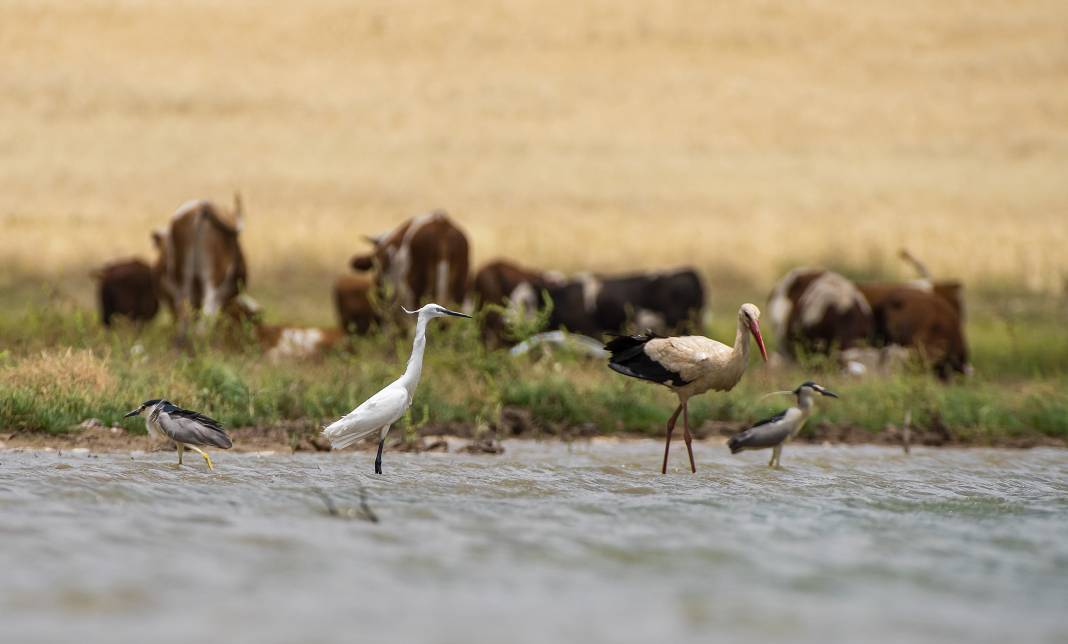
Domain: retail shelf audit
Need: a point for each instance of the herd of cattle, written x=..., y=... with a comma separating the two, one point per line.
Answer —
x=200, y=270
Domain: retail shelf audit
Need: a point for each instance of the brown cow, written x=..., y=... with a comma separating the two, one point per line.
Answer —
x=280, y=341
x=202, y=267
x=424, y=257
x=949, y=291
x=922, y=319
x=501, y=282
x=818, y=310
x=353, y=303
x=289, y=342
x=126, y=288
x=821, y=310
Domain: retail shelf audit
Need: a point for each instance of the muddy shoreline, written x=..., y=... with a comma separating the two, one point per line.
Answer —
x=290, y=437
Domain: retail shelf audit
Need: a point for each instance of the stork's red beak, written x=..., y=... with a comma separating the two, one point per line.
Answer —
x=754, y=326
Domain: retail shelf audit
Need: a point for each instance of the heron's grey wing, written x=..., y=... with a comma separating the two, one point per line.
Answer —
x=382, y=409
x=770, y=419
x=195, y=429
x=767, y=433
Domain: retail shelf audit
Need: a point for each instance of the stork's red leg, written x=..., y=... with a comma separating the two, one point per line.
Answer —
x=686, y=435
x=670, y=430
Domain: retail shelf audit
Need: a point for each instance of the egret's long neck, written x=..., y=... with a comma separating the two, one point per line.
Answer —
x=415, y=363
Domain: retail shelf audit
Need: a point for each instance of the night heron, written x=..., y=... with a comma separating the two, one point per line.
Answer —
x=688, y=365
x=380, y=411
x=775, y=431
x=186, y=428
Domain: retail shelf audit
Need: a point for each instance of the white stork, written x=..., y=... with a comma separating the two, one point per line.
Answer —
x=688, y=365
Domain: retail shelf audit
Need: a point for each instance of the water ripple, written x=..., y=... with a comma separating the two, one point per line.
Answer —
x=580, y=542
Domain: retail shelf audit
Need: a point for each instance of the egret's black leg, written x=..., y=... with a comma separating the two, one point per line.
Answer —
x=378, y=459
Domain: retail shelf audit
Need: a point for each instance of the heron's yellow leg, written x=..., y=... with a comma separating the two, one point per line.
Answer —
x=181, y=448
x=204, y=454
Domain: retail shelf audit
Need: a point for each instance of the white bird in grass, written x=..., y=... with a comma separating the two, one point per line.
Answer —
x=380, y=411
x=688, y=365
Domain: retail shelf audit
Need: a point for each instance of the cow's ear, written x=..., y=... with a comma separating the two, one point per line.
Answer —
x=157, y=238
x=362, y=263
x=374, y=240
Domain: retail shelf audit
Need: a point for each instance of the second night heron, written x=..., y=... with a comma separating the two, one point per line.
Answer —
x=186, y=428
x=380, y=411
x=775, y=431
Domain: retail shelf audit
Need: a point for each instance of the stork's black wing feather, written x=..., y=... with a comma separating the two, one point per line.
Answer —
x=630, y=359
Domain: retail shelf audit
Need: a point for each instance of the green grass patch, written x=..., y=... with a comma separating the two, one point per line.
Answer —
x=58, y=367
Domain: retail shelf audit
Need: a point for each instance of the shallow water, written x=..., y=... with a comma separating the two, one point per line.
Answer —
x=547, y=542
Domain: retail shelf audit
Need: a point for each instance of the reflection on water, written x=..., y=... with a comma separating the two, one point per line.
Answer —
x=546, y=543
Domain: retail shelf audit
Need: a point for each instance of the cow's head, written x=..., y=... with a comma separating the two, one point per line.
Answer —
x=245, y=309
x=377, y=257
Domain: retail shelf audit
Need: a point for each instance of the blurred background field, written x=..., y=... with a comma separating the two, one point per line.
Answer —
x=606, y=136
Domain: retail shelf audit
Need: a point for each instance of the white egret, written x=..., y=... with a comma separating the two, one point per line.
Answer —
x=380, y=411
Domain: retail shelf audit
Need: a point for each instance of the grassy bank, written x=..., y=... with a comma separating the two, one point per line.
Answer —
x=58, y=368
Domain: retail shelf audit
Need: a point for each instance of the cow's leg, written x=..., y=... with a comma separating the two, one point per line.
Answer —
x=211, y=299
x=184, y=302
x=107, y=305
x=207, y=276
x=420, y=281
x=458, y=279
x=441, y=281
x=169, y=291
x=667, y=440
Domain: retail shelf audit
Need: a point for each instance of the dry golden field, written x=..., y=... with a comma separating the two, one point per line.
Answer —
x=607, y=135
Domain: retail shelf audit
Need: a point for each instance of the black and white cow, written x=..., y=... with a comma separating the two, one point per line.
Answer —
x=594, y=304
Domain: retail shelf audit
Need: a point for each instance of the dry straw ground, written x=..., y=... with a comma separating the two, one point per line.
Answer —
x=605, y=135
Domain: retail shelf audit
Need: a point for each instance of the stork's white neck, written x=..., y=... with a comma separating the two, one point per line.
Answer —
x=414, y=370
x=741, y=343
